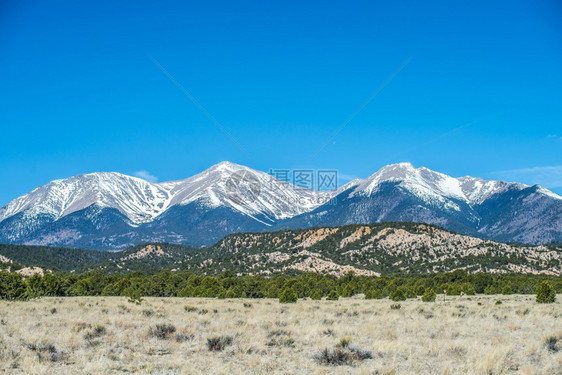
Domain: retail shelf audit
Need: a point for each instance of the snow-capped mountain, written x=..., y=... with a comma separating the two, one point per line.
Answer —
x=139, y=200
x=248, y=191
x=61, y=212
x=506, y=211
x=109, y=210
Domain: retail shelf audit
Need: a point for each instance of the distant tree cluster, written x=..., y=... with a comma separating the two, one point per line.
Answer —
x=288, y=289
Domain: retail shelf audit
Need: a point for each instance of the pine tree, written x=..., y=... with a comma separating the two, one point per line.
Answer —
x=316, y=294
x=288, y=295
x=398, y=295
x=332, y=296
x=12, y=286
x=546, y=293
x=429, y=296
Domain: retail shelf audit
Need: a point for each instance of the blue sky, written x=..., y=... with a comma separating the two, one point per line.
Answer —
x=480, y=93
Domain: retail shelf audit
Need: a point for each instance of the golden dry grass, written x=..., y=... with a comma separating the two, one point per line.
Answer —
x=452, y=336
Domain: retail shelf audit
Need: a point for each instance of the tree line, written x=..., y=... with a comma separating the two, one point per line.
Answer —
x=166, y=283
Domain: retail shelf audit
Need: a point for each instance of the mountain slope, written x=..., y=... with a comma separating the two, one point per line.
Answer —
x=139, y=200
x=385, y=248
x=500, y=210
x=375, y=249
x=112, y=211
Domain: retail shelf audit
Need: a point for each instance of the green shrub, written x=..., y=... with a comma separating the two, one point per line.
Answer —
x=490, y=290
x=186, y=292
x=398, y=295
x=135, y=297
x=468, y=289
x=12, y=286
x=288, y=295
x=344, y=342
x=316, y=294
x=546, y=293
x=222, y=294
x=348, y=291
x=410, y=293
x=332, y=296
x=506, y=290
x=429, y=296
x=454, y=290
x=374, y=294
x=420, y=290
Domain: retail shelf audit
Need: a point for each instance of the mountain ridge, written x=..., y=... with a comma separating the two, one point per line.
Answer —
x=371, y=250
x=110, y=210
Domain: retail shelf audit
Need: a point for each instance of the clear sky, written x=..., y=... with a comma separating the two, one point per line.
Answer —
x=470, y=88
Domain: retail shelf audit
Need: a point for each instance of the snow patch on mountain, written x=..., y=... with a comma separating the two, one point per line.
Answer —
x=223, y=184
x=139, y=200
x=432, y=187
x=256, y=201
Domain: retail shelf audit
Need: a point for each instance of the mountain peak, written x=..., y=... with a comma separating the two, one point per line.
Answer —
x=422, y=181
x=402, y=166
x=257, y=201
x=547, y=192
x=227, y=165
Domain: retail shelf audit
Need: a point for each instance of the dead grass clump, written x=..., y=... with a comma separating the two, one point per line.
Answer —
x=523, y=312
x=344, y=342
x=80, y=326
x=98, y=331
x=218, y=343
x=359, y=354
x=181, y=337
x=328, y=332
x=335, y=357
x=47, y=352
x=147, y=313
x=123, y=309
x=458, y=351
x=426, y=314
x=551, y=343
x=280, y=337
x=162, y=331
x=341, y=355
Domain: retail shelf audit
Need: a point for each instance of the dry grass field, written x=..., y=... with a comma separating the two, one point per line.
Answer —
x=101, y=335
